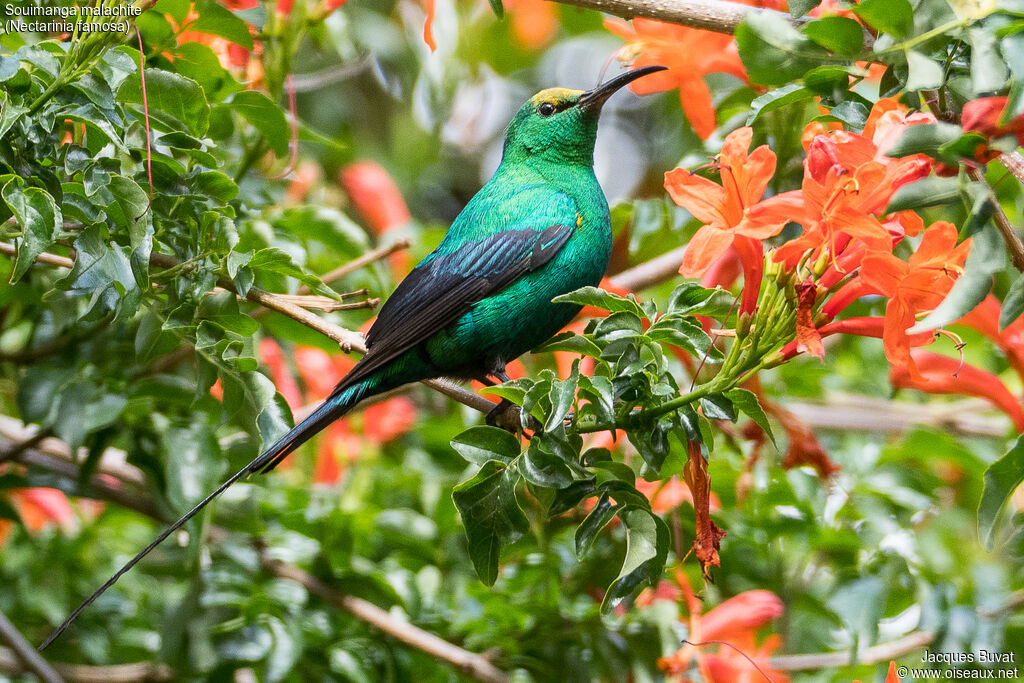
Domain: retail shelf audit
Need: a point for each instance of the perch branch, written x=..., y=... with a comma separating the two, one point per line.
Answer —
x=24, y=651
x=467, y=662
x=884, y=652
x=357, y=263
x=719, y=16
x=649, y=273
x=1010, y=236
x=85, y=673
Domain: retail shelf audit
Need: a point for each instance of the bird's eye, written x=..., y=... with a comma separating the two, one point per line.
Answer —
x=546, y=109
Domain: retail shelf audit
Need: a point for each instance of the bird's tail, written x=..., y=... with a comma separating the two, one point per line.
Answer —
x=336, y=405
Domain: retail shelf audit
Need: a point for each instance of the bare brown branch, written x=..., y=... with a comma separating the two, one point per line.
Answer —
x=649, y=273
x=467, y=662
x=873, y=655
x=24, y=651
x=361, y=262
x=712, y=15
x=47, y=258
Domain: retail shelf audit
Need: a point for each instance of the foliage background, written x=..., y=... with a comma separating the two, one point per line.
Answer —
x=886, y=547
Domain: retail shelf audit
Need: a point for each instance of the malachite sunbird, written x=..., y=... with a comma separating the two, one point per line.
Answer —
x=539, y=228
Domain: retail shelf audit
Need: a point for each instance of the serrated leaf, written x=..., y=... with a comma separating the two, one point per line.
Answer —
x=895, y=17
x=491, y=515
x=1013, y=304
x=776, y=99
x=265, y=116
x=597, y=297
x=482, y=443
x=930, y=191
x=600, y=515
x=180, y=97
x=646, y=552
x=1001, y=479
x=39, y=218
x=773, y=51
x=986, y=258
x=925, y=73
x=748, y=404
x=842, y=35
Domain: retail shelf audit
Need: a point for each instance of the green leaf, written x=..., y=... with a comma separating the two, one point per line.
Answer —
x=988, y=70
x=222, y=308
x=799, y=8
x=129, y=207
x=483, y=443
x=621, y=325
x=38, y=217
x=193, y=464
x=272, y=259
x=1013, y=304
x=543, y=468
x=176, y=8
x=924, y=138
x=491, y=514
x=684, y=332
x=216, y=20
x=499, y=9
x=854, y=114
x=594, y=296
x=718, y=407
x=691, y=299
x=252, y=397
x=776, y=99
x=602, y=513
x=646, y=552
x=571, y=342
x=180, y=97
x=9, y=114
x=84, y=408
x=987, y=257
x=895, y=17
x=773, y=51
x=925, y=73
x=1001, y=479
x=562, y=396
x=930, y=191
x=748, y=404
x=842, y=35
x=265, y=116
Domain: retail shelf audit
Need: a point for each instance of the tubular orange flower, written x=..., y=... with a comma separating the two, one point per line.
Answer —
x=689, y=54
x=914, y=286
x=533, y=22
x=944, y=375
x=723, y=210
x=273, y=357
x=733, y=625
x=985, y=319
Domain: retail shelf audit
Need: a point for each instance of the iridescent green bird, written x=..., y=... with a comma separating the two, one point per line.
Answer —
x=539, y=228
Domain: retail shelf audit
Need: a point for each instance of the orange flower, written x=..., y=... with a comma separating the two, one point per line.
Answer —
x=533, y=22
x=722, y=208
x=913, y=286
x=733, y=625
x=984, y=114
x=272, y=356
x=388, y=419
x=667, y=496
x=944, y=375
x=41, y=507
x=689, y=54
x=376, y=197
x=985, y=319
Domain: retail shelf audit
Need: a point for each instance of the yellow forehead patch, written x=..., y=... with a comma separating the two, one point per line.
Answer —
x=555, y=96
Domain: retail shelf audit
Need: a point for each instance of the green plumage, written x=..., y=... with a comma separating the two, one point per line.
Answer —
x=539, y=228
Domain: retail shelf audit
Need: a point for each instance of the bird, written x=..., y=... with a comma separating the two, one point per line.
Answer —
x=539, y=228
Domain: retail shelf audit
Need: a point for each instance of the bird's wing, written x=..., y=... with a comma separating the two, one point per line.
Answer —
x=446, y=286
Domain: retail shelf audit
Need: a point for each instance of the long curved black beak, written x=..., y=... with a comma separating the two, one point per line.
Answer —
x=592, y=100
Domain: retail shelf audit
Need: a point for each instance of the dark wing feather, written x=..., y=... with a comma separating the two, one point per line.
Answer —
x=442, y=289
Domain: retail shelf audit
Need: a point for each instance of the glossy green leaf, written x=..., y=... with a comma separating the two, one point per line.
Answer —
x=776, y=99
x=647, y=541
x=39, y=218
x=1001, y=479
x=482, y=443
x=895, y=17
x=773, y=51
x=265, y=116
x=540, y=467
x=836, y=34
x=598, y=518
x=932, y=190
x=491, y=515
x=215, y=19
x=594, y=296
x=925, y=73
x=177, y=96
x=748, y=404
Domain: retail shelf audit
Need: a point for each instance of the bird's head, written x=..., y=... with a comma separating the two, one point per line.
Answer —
x=560, y=125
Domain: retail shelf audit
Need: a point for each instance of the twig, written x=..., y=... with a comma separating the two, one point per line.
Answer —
x=47, y=258
x=658, y=269
x=26, y=653
x=467, y=662
x=712, y=15
x=873, y=655
x=1014, y=163
x=360, y=262
x=1010, y=236
x=319, y=79
x=85, y=673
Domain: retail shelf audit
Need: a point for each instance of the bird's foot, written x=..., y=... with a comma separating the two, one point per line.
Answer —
x=507, y=416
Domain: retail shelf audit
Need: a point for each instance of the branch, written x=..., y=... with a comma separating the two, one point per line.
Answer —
x=713, y=15
x=24, y=651
x=361, y=262
x=48, y=259
x=649, y=273
x=467, y=662
x=885, y=652
x=1014, y=163
x=84, y=673
x=1010, y=236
